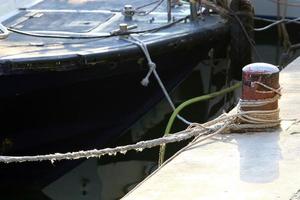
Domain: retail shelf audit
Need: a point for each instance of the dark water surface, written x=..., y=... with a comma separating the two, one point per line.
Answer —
x=111, y=177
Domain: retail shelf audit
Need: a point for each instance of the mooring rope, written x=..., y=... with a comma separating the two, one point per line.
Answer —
x=244, y=120
x=140, y=146
x=223, y=124
x=151, y=10
x=277, y=91
x=208, y=130
x=240, y=121
x=183, y=105
x=296, y=20
x=152, y=69
x=266, y=119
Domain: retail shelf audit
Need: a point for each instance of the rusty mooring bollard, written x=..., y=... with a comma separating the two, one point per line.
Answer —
x=260, y=93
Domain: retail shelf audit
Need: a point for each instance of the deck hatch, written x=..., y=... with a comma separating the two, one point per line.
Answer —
x=80, y=22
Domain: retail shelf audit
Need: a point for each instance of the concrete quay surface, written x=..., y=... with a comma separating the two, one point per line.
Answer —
x=250, y=166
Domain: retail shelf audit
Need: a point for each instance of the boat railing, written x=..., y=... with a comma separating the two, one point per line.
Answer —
x=128, y=12
x=169, y=9
x=194, y=8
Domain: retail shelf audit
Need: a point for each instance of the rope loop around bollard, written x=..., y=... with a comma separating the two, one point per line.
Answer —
x=260, y=93
x=243, y=119
x=277, y=91
x=200, y=132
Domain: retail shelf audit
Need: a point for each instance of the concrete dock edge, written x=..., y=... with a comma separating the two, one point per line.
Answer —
x=250, y=166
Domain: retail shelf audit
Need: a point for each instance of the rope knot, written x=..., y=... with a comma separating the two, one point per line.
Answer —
x=152, y=65
x=145, y=81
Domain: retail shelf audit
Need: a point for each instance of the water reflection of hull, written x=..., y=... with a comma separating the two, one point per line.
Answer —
x=92, y=181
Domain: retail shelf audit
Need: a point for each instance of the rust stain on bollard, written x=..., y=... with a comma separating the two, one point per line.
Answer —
x=263, y=73
x=260, y=94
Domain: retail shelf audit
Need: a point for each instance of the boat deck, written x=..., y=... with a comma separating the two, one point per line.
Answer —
x=248, y=166
x=93, y=20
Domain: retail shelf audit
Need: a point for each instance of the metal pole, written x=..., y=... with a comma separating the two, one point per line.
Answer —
x=169, y=9
x=194, y=9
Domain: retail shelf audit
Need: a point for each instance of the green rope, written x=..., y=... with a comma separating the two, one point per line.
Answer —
x=185, y=104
